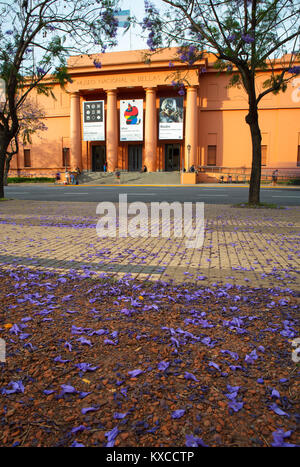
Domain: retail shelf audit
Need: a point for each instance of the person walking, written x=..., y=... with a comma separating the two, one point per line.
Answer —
x=118, y=175
x=274, y=177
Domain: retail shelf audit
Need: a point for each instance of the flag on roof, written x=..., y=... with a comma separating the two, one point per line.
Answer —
x=122, y=16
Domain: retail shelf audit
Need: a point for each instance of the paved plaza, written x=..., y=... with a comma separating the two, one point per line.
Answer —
x=257, y=248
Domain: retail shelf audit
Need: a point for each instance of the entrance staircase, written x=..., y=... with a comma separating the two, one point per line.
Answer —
x=130, y=178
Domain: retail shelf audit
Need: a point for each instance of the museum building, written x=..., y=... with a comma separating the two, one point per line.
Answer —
x=126, y=114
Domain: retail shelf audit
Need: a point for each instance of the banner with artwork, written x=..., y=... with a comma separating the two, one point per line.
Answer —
x=131, y=120
x=171, y=118
x=93, y=121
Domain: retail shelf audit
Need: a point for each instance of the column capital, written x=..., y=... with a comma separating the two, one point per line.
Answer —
x=75, y=94
x=151, y=89
x=193, y=87
x=111, y=91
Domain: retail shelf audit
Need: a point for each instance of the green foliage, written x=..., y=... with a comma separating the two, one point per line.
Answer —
x=30, y=180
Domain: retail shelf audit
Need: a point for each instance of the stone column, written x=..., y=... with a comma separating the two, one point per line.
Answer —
x=150, y=130
x=191, y=127
x=75, y=132
x=111, y=130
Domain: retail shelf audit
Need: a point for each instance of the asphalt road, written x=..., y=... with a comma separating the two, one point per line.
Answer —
x=211, y=195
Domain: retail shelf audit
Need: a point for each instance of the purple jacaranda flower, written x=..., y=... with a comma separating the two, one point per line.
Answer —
x=67, y=389
x=86, y=367
x=135, y=373
x=162, y=366
x=97, y=63
x=190, y=376
x=111, y=436
x=120, y=416
x=75, y=444
x=99, y=332
x=251, y=357
x=76, y=429
x=235, y=406
x=175, y=341
x=109, y=342
x=84, y=341
x=48, y=391
x=178, y=413
x=275, y=394
x=76, y=330
x=278, y=410
x=16, y=386
x=85, y=410
x=247, y=38
x=279, y=436
x=60, y=360
x=23, y=336
x=232, y=354
x=68, y=346
x=192, y=442
x=260, y=380
x=15, y=329
x=231, y=37
x=215, y=365
x=294, y=70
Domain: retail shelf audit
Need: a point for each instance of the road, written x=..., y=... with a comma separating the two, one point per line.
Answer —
x=211, y=195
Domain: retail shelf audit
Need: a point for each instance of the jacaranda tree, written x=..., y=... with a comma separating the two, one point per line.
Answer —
x=36, y=37
x=245, y=36
x=31, y=121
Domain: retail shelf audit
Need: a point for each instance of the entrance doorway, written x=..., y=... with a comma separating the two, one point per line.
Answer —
x=98, y=158
x=134, y=157
x=172, y=157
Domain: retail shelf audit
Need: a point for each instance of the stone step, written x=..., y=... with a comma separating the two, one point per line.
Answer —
x=134, y=178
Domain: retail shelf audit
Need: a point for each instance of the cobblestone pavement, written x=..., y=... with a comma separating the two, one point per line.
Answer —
x=258, y=248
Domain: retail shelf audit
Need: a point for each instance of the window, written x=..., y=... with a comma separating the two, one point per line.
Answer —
x=212, y=155
x=298, y=157
x=66, y=157
x=264, y=155
x=27, y=159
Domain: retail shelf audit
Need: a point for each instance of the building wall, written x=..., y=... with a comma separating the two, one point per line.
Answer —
x=220, y=121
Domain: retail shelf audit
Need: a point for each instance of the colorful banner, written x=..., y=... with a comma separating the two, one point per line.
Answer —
x=131, y=120
x=171, y=118
x=93, y=121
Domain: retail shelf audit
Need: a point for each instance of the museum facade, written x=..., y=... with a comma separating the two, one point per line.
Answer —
x=127, y=114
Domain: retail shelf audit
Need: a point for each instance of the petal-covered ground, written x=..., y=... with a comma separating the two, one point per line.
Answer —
x=96, y=362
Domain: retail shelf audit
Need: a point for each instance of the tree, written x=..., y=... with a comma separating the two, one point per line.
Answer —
x=36, y=37
x=30, y=117
x=245, y=36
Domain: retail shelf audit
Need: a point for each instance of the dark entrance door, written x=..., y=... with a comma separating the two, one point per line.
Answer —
x=172, y=157
x=134, y=157
x=98, y=158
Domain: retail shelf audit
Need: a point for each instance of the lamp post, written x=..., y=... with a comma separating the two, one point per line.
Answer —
x=189, y=147
x=65, y=150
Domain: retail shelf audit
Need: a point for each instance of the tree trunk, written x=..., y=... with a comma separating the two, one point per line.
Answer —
x=6, y=168
x=254, y=190
x=4, y=143
x=2, y=163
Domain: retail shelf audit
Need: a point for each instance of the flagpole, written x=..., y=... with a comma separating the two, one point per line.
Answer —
x=130, y=37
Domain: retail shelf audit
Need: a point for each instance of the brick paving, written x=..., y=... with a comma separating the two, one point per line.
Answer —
x=258, y=248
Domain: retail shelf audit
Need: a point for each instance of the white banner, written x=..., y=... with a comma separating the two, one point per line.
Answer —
x=131, y=120
x=171, y=118
x=93, y=121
